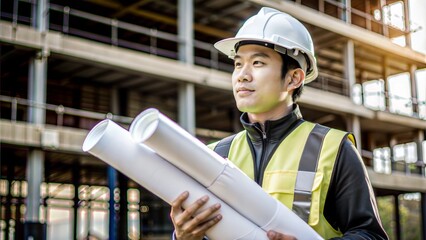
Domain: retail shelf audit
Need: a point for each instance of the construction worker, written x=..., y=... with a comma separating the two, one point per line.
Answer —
x=312, y=169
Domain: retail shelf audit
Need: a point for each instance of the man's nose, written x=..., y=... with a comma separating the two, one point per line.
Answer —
x=244, y=75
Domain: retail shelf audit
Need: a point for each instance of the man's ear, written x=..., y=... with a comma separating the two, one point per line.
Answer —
x=297, y=77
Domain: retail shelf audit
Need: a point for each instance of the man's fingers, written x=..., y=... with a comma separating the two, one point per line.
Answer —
x=207, y=225
x=272, y=235
x=193, y=208
x=192, y=221
x=206, y=214
x=177, y=203
x=191, y=214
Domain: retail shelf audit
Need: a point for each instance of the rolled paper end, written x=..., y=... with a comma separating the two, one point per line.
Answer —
x=95, y=134
x=144, y=125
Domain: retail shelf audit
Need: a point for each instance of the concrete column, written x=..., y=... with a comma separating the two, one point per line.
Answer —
x=186, y=54
x=407, y=24
x=354, y=125
x=35, y=172
x=356, y=129
x=419, y=143
x=392, y=143
x=186, y=31
x=385, y=28
x=385, y=74
x=347, y=11
x=37, y=94
x=37, y=88
x=368, y=10
x=414, y=96
x=187, y=107
x=321, y=5
x=349, y=63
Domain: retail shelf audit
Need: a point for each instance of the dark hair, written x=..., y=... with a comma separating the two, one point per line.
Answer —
x=290, y=63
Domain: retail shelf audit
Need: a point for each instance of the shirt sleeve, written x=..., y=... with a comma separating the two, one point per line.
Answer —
x=174, y=237
x=350, y=205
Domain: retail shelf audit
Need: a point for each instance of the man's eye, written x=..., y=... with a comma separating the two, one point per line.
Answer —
x=258, y=63
x=237, y=64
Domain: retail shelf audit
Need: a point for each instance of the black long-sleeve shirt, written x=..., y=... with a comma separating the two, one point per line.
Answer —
x=350, y=203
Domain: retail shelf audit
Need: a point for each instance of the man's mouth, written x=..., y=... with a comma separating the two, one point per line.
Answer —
x=243, y=89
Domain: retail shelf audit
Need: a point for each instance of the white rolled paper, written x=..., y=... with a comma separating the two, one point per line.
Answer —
x=114, y=145
x=221, y=177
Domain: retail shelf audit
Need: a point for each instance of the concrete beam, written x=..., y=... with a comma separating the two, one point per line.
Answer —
x=69, y=140
x=401, y=120
x=46, y=137
x=327, y=101
x=128, y=60
x=397, y=181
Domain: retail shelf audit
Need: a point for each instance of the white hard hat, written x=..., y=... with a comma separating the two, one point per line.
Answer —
x=286, y=33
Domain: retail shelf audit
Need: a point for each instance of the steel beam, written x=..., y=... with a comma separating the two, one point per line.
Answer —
x=123, y=231
x=113, y=217
x=76, y=182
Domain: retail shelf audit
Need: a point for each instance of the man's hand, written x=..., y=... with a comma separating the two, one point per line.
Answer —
x=272, y=235
x=190, y=224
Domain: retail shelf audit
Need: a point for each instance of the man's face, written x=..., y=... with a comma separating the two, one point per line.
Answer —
x=257, y=84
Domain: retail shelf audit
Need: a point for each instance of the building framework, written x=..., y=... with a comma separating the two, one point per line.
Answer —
x=65, y=65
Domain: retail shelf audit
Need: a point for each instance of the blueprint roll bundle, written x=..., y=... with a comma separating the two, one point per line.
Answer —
x=165, y=159
x=115, y=146
x=218, y=175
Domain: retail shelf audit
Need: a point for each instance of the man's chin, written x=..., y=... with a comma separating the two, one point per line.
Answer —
x=247, y=109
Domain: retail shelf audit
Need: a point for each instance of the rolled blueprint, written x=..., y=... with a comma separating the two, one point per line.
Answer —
x=221, y=177
x=114, y=145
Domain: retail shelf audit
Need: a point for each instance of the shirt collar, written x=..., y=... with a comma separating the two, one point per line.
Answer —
x=274, y=129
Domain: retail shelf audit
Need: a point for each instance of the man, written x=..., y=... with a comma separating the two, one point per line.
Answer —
x=313, y=170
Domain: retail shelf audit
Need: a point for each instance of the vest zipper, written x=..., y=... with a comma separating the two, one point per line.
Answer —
x=259, y=170
x=263, y=161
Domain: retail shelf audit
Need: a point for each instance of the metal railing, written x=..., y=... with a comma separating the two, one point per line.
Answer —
x=22, y=105
x=369, y=19
x=387, y=102
x=16, y=109
x=392, y=165
x=331, y=83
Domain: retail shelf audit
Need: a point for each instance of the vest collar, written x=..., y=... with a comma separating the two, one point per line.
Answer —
x=274, y=130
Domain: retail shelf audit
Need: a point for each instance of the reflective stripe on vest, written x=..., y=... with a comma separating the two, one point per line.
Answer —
x=285, y=179
x=306, y=172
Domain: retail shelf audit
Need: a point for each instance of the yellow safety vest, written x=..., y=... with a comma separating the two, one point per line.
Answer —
x=283, y=168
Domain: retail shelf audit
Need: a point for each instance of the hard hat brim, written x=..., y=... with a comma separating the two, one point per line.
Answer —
x=227, y=47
